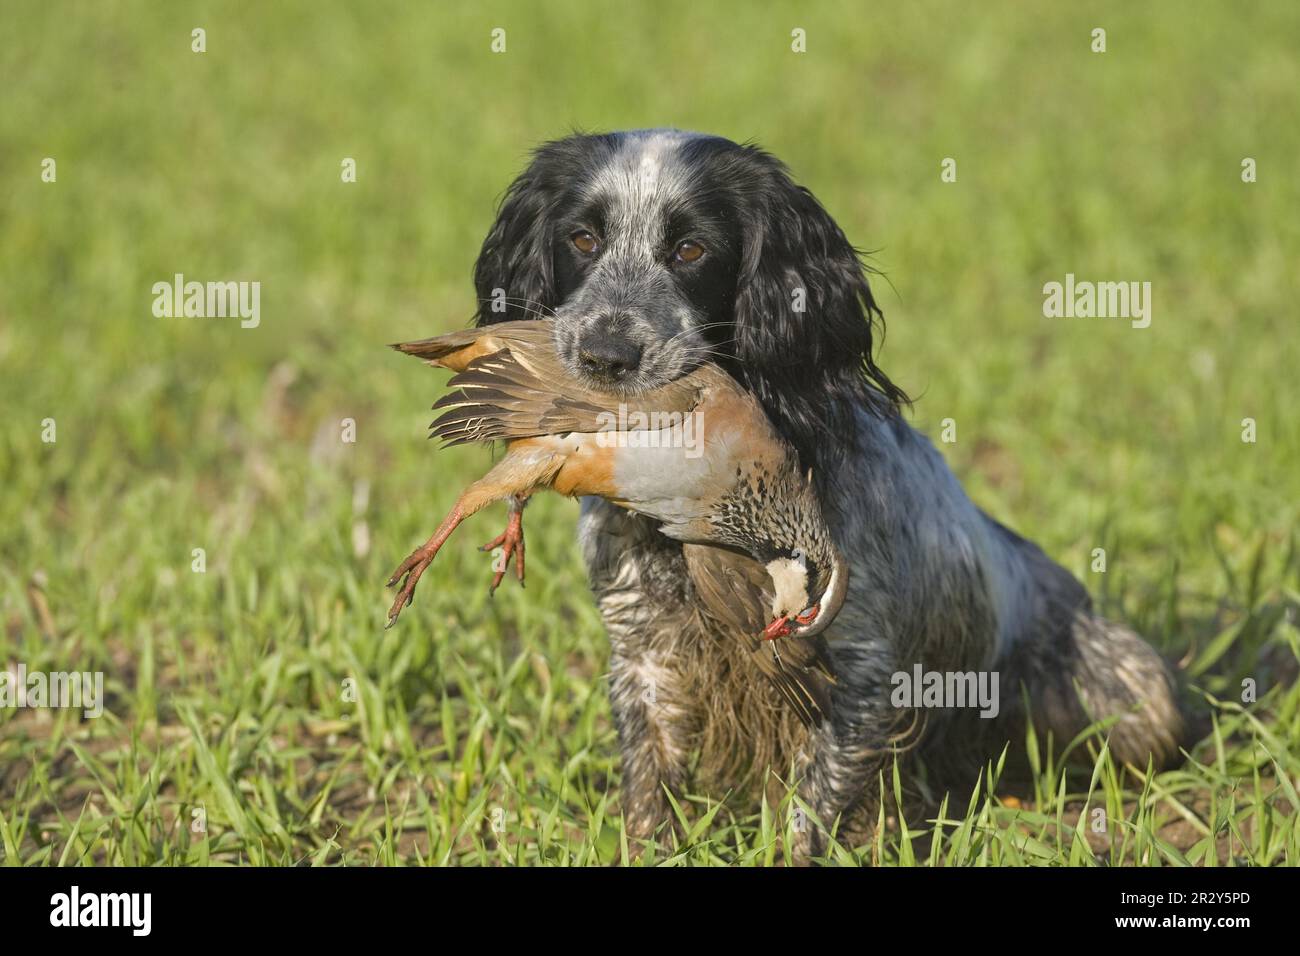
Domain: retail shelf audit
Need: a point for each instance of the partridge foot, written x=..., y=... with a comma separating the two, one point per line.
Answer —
x=511, y=542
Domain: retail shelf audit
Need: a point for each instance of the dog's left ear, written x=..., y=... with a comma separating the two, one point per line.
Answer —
x=513, y=276
x=804, y=313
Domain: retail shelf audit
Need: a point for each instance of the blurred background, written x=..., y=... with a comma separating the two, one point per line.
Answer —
x=226, y=689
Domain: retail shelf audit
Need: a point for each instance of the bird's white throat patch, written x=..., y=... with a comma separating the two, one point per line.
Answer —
x=790, y=584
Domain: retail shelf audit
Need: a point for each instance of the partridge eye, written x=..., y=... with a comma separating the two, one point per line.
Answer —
x=688, y=251
x=585, y=242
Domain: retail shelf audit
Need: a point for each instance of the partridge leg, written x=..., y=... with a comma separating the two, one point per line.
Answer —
x=418, y=561
x=523, y=469
x=511, y=542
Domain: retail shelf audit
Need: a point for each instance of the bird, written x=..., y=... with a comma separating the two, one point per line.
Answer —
x=697, y=455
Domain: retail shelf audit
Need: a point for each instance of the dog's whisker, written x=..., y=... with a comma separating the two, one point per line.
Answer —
x=529, y=306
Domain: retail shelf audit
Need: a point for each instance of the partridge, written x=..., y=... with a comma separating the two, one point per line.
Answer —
x=697, y=455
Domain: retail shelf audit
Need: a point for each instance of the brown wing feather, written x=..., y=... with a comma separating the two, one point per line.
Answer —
x=502, y=395
x=498, y=397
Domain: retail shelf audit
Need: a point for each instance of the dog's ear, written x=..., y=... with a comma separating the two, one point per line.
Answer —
x=804, y=313
x=513, y=277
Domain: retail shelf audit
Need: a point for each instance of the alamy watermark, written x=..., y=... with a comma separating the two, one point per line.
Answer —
x=921, y=688
x=60, y=689
x=1101, y=300
x=133, y=911
x=208, y=300
x=640, y=429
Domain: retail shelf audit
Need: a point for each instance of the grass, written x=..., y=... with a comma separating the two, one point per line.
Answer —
x=258, y=713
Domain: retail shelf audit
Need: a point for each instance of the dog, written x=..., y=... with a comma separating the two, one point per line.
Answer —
x=652, y=251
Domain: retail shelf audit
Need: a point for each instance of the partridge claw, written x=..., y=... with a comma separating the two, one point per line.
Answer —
x=411, y=569
x=511, y=542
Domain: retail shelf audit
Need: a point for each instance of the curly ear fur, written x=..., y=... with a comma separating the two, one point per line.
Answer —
x=516, y=255
x=516, y=259
x=810, y=368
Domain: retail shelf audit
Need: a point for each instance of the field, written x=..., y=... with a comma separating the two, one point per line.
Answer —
x=255, y=709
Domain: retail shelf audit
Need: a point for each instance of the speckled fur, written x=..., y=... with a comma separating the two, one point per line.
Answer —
x=935, y=581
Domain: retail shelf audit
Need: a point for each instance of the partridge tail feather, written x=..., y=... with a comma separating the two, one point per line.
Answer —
x=442, y=349
x=456, y=350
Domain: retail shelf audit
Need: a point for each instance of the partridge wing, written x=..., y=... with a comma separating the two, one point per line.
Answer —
x=499, y=397
x=523, y=392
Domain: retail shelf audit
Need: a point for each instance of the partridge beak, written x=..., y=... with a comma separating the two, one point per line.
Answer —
x=808, y=616
x=778, y=628
x=819, y=617
x=785, y=625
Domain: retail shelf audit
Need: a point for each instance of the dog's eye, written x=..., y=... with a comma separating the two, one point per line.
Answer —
x=585, y=242
x=688, y=251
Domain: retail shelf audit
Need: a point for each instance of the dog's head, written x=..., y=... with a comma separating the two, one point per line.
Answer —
x=653, y=251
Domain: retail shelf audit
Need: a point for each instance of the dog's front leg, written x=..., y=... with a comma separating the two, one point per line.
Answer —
x=841, y=769
x=655, y=724
x=638, y=578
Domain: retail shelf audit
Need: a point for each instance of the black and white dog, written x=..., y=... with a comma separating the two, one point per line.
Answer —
x=651, y=251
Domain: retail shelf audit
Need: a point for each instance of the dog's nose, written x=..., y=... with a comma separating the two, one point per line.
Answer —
x=609, y=355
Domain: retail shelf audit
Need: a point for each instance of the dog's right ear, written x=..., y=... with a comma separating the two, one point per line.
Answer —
x=513, y=277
